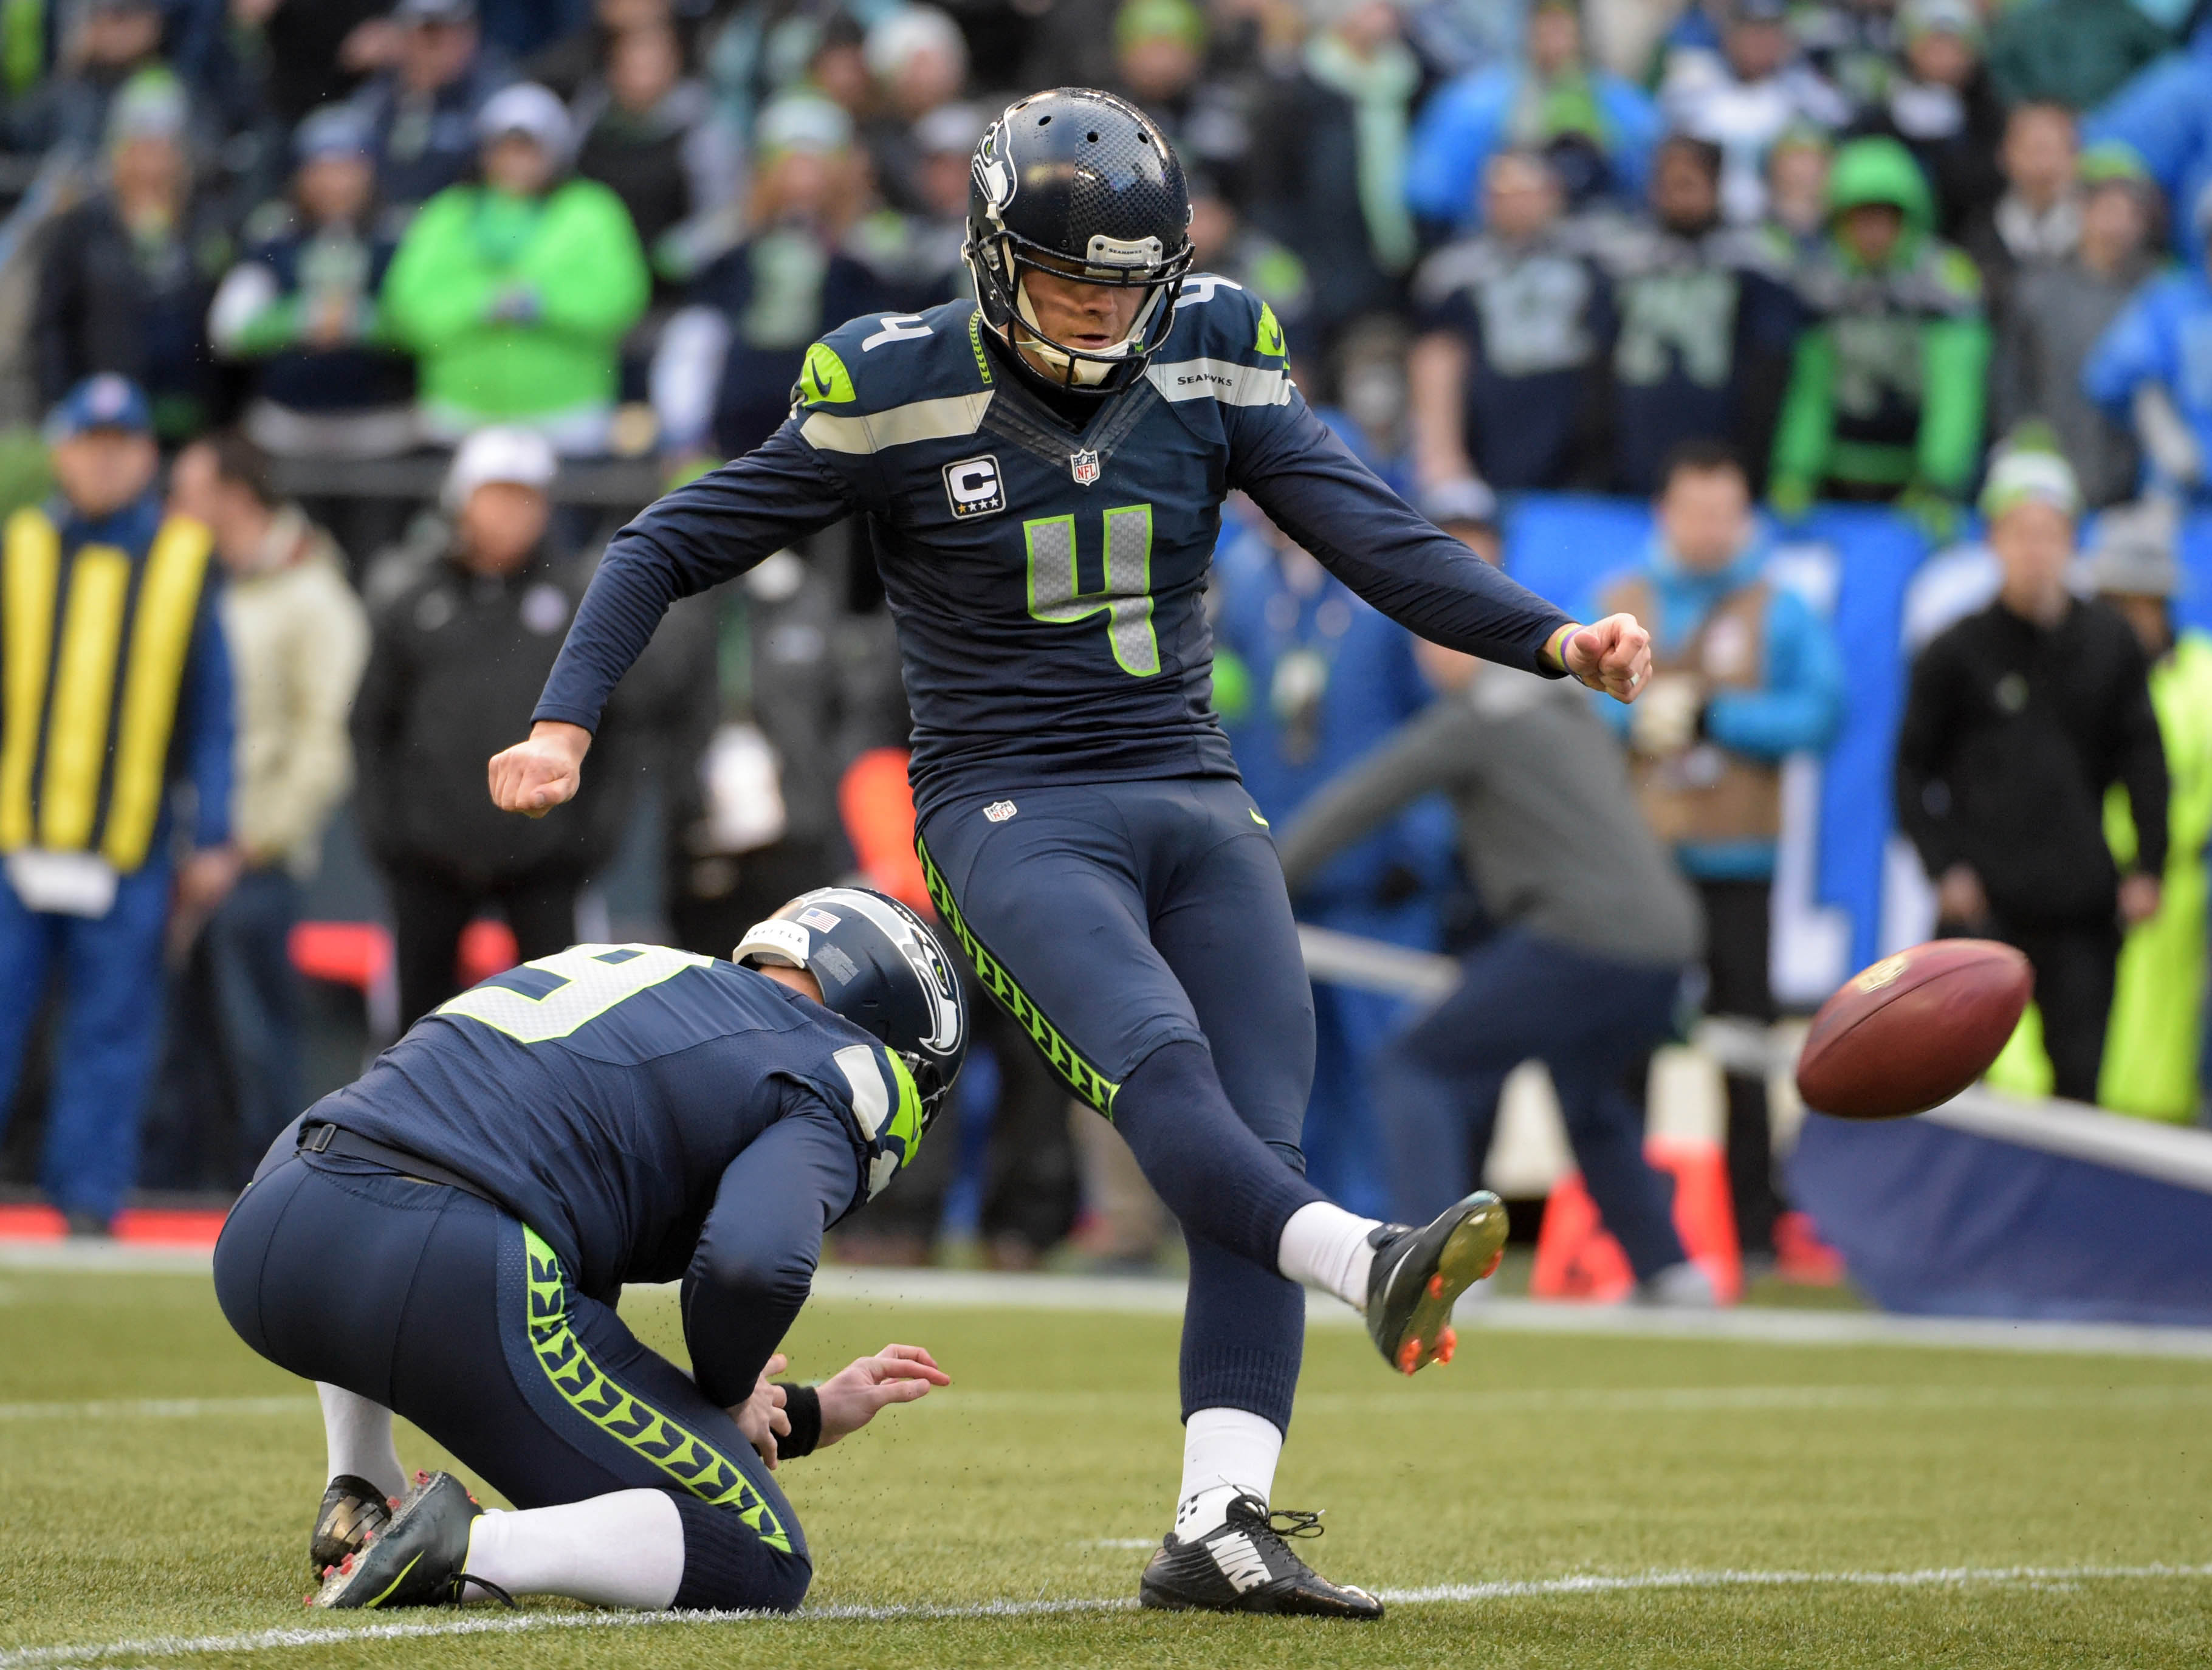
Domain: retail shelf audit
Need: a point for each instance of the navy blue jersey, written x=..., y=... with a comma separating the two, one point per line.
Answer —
x=1048, y=584
x=600, y=1094
x=1707, y=324
x=1535, y=318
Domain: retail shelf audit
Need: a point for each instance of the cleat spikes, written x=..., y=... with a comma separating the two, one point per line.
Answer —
x=1419, y=1275
x=415, y=1557
x=353, y=1512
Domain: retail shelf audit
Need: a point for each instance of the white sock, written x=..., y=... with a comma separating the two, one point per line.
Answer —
x=1226, y=1453
x=624, y=1549
x=1326, y=1247
x=358, y=1434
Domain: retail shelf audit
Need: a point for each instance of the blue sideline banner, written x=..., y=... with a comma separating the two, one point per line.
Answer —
x=1935, y=1220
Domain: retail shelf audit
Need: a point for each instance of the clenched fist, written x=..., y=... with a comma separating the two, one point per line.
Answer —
x=536, y=775
x=1613, y=655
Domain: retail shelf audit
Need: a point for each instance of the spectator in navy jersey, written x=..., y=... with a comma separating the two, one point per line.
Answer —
x=1507, y=375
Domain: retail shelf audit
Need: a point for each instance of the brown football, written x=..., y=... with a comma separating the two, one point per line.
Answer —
x=1914, y=1030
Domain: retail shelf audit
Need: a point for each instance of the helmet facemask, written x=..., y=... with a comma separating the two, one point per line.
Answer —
x=999, y=265
x=999, y=259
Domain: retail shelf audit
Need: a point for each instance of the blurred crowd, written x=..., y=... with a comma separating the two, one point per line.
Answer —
x=1733, y=257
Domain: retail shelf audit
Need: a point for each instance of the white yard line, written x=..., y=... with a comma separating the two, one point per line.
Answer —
x=155, y=1409
x=82, y=1255
x=1752, y=1324
x=53, y=1658
x=983, y=1290
x=1475, y=1398
x=1443, y=1399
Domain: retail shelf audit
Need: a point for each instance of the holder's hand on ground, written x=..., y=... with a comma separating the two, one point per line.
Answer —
x=2139, y=898
x=537, y=775
x=1613, y=655
x=761, y=1417
x=896, y=1374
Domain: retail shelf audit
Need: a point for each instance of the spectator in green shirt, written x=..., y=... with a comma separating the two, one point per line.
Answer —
x=514, y=293
x=1886, y=395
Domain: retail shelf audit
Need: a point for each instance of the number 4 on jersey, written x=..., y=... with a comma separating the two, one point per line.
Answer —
x=593, y=979
x=1057, y=594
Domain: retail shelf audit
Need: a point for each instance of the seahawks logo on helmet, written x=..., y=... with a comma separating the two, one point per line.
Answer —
x=881, y=968
x=1082, y=185
x=992, y=174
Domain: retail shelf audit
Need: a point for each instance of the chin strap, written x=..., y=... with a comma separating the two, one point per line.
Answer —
x=1076, y=373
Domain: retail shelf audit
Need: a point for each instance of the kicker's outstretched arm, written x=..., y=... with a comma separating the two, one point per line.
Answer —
x=709, y=531
x=1376, y=543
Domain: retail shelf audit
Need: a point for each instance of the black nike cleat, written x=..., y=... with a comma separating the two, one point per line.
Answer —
x=415, y=1560
x=353, y=1511
x=1419, y=1275
x=1245, y=1564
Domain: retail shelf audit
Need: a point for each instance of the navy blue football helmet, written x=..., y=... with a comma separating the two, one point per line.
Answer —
x=1081, y=184
x=879, y=967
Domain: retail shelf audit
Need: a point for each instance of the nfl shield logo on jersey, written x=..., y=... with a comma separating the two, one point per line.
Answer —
x=999, y=810
x=1085, y=464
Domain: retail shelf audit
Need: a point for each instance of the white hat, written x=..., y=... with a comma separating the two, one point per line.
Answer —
x=802, y=122
x=899, y=35
x=522, y=457
x=2021, y=470
x=529, y=109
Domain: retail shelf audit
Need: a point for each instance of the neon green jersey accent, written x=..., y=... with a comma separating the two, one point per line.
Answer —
x=893, y=1131
x=824, y=378
x=1056, y=592
x=595, y=978
x=976, y=345
x=1271, y=333
x=683, y=1454
x=1091, y=1086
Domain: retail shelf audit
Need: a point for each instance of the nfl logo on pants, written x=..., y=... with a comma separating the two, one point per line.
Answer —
x=1084, y=466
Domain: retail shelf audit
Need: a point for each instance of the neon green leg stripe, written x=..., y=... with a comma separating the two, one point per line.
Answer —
x=1092, y=1086
x=684, y=1456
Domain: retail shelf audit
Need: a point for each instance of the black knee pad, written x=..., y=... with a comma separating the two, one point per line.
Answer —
x=727, y=1568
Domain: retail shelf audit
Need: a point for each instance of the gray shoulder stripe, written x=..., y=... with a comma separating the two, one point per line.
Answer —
x=1232, y=384
x=919, y=420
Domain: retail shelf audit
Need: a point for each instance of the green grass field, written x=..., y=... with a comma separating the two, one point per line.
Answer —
x=1746, y=1494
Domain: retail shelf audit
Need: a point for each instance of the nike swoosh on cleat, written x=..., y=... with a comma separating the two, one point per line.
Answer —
x=395, y=1583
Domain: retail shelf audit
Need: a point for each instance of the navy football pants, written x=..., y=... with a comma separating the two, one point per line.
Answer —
x=1142, y=934
x=447, y=1311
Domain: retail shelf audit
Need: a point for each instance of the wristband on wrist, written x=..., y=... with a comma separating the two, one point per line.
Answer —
x=1555, y=646
x=802, y=1407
